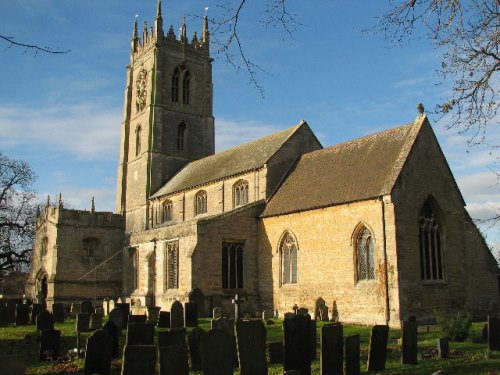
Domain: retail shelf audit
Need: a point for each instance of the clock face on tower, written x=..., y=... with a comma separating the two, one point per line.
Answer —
x=141, y=89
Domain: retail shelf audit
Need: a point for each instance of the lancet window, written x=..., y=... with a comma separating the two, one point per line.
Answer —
x=288, y=259
x=232, y=264
x=431, y=252
x=172, y=264
x=175, y=86
x=240, y=193
x=365, y=255
x=201, y=202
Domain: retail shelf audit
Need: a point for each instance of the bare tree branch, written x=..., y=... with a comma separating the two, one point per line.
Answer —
x=32, y=47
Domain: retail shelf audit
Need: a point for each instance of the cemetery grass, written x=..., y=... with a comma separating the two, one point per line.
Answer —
x=19, y=352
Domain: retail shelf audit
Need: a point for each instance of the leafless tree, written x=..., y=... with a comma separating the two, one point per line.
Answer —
x=30, y=47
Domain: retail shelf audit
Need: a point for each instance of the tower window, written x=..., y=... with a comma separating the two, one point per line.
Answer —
x=240, y=193
x=431, y=255
x=90, y=246
x=138, y=140
x=201, y=202
x=288, y=259
x=365, y=255
x=45, y=246
x=181, y=133
x=185, y=87
x=232, y=264
x=175, y=86
x=172, y=264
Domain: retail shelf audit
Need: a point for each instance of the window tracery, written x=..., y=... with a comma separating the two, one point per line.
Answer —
x=431, y=253
x=288, y=259
x=365, y=255
x=201, y=202
x=240, y=193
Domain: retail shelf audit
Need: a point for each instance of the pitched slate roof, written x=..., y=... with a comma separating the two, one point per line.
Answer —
x=361, y=169
x=243, y=158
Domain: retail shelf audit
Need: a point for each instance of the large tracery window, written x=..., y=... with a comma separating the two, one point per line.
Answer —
x=232, y=264
x=365, y=255
x=201, y=203
x=288, y=259
x=240, y=193
x=172, y=264
x=431, y=255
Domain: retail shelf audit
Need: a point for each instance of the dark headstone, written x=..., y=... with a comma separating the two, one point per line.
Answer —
x=76, y=308
x=125, y=309
x=153, y=314
x=216, y=345
x=58, y=312
x=22, y=314
x=95, y=321
x=313, y=339
x=409, y=343
x=251, y=343
x=50, y=340
x=352, y=344
x=302, y=311
x=164, y=319
x=82, y=322
x=139, y=359
x=224, y=324
x=44, y=321
x=137, y=318
x=176, y=315
x=297, y=340
x=36, y=309
x=377, y=353
x=195, y=352
x=116, y=316
x=86, y=307
x=114, y=332
x=493, y=332
x=10, y=312
x=332, y=349
x=173, y=360
x=191, y=314
x=443, y=347
x=174, y=337
x=140, y=334
x=275, y=352
x=484, y=332
x=98, y=353
x=196, y=295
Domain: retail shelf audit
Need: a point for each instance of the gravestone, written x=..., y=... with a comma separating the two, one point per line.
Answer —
x=164, y=319
x=352, y=346
x=267, y=314
x=36, y=309
x=116, y=316
x=302, y=311
x=275, y=352
x=195, y=339
x=174, y=337
x=50, y=340
x=191, y=314
x=58, y=312
x=224, y=324
x=197, y=296
x=82, y=322
x=105, y=306
x=153, y=314
x=137, y=319
x=332, y=349
x=323, y=313
x=140, y=334
x=173, y=360
x=377, y=352
x=125, y=309
x=95, y=321
x=44, y=321
x=114, y=332
x=10, y=311
x=313, y=339
x=98, y=353
x=22, y=314
x=216, y=313
x=251, y=343
x=493, y=332
x=409, y=343
x=76, y=308
x=86, y=307
x=176, y=315
x=216, y=345
x=443, y=348
x=297, y=343
x=139, y=359
x=484, y=332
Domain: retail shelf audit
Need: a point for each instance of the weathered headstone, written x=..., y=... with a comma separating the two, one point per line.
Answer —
x=217, y=313
x=409, y=343
x=140, y=334
x=352, y=346
x=125, y=309
x=164, y=319
x=22, y=314
x=114, y=332
x=50, y=340
x=332, y=349
x=297, y=343
x=86, y=307
x=153, y=314
x=82, y=322
x=267, y=314
x=36, y=309
x=191, y=314
x=174, y=337
x=98, y=353
x=443, y=348
x=377, y=353
x=176, y=315
x=493, y=332
x=116, y=316
x=105, y=306
x=139, y=359
x=216, y=345
x=44, y=321
x=76, y=308
x=313, y=339
x=323, y=313
x=58, y=312
x=173, y=360
x=275, y=352
x=224, y=324
x=137, y=319
x=302, y=311
x=251, y=340
x=95, y=321
x=195, y=339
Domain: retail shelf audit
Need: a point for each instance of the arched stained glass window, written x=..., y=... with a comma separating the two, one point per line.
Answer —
x=288, y=259
x=365, y=255
x=431, y=253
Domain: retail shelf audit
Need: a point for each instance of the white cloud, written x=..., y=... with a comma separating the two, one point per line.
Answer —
x=480, y=187
x=483, y=211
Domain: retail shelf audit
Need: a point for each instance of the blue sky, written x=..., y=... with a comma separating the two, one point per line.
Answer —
x=62, y=113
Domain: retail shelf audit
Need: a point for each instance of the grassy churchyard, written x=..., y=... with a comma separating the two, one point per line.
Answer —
x=19, y=348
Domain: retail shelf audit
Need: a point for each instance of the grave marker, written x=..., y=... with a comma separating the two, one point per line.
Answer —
x=176, y=315
x=125, y=309
x=297, y=343
x=137, y=319
x=377, y=353
x=153, y=314
x=95, y=321
x=164, y=319
x=216, y=313
x=22, y=314
x=443, y=348
x=409, y=343
x=493, y=332
x=98, y=353
x=86, y=307
x=82, y=322
x=352, y=345
x=116, y=316
x=173, y=360
x=191, y=314
x=275, y=352
x=216, y=345
x=174, y=337
x=58, y=312
x=50, y=340
x=332, y=349
x=44, y=321
x=114, y=332
x=140, y=334
x=139, y=359
x=251, y=343
x=195, y=350
x=36, y=309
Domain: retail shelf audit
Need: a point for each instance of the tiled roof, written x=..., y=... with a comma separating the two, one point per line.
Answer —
x=357, y=170
x=227, y=163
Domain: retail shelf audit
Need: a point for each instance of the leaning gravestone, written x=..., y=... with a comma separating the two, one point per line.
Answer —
x=22, y=314
x=173, y=360
x=139, y=359
x=409, y=343
x=216, y=345
x=82, y=322
x=50, y=340
x=114, y=332
x=58, y=312
x=195, y=353
x=116, y=316
x=164, y=319
x=140, y=334
x=275, y=352
x=493, y=332
x=95, y=321
x=44, y=321
x=176, y=315
x=377, y=353
x=443, y=348
x=191, y=314
x=36, y=309
x=174, y=337
x=332, y=349
x=297, y=343
x=98, y=353
x=352, y=344
x=251, y=342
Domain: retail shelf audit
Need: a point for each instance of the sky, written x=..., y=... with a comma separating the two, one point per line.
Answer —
x=62, y=112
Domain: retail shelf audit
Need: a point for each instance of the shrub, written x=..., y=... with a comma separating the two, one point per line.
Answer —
x=455, y=327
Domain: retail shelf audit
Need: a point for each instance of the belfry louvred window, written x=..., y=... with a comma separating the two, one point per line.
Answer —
x=431, y=253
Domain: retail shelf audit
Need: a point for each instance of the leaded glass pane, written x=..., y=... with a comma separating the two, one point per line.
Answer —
x=288, y=250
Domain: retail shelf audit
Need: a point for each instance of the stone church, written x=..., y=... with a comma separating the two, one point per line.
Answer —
x=374, y=229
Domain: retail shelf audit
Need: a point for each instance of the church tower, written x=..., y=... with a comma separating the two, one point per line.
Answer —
x=167, y=119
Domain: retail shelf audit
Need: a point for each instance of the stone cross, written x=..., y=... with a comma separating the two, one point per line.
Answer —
x=295, y=308
x=236, y=301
